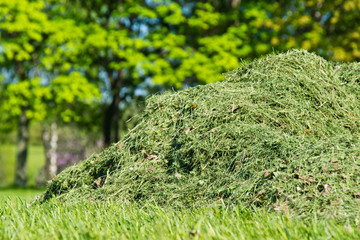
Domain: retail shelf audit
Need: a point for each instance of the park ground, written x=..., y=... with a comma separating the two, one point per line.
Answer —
x=21, y=219
x=36, y=160
x=110, y=220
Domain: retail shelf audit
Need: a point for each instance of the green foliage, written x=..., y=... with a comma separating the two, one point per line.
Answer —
x=5, y=125
x=329, y=27
x=26, y=29
x=1, y=84
x=63, y=97
x=192, y=48
x=26, y=94
x=22, y=24
x=70, y=94
x=210, y=41
x=280, y=132
x=22, y=27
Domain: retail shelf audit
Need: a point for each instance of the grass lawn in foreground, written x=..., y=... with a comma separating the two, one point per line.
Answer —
x=18, y=193
x=36, y=159
x=109, y=220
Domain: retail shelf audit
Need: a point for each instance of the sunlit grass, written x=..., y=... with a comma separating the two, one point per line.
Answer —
x=36, y=159
x=18, y=193
x=110, y=220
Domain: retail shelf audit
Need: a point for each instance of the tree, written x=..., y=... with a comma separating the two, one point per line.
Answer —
x=72, y=96
x=25, y=30
x=126, y=42
x=101, y=48
x=23, y=27
x=330, y=28
x=202, y=39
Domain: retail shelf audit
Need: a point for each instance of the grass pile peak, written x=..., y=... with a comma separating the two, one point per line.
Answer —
x=281, y=132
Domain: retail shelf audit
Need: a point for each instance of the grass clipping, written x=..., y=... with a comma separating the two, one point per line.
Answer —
x=281, y=132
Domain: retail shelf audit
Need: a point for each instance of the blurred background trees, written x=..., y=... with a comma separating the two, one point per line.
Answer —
x=74, y=70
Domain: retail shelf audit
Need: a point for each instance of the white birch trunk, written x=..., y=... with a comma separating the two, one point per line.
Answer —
x=53, y=150
x=50, y=141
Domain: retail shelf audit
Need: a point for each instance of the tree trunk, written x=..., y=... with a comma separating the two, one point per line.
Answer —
x=22, y=149
x=50, y=141
x=112, y=113
x=53, y=150
x=116, y=117
x=107, y=124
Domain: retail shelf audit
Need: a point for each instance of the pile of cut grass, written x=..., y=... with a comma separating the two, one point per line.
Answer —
x=281, y=132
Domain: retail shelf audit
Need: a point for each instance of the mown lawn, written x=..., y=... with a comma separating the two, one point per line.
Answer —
x=110, y=220
x=18, y=193
x=36, y=159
